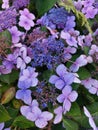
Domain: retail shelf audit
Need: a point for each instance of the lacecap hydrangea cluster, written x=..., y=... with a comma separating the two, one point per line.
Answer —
x=48, y=44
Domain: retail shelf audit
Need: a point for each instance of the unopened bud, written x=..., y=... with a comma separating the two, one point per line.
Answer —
x=8, y=95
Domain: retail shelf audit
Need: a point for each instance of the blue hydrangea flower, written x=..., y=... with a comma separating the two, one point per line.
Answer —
x=28, y=77
x=56, y=17
x=34, y=113
x=64, y=77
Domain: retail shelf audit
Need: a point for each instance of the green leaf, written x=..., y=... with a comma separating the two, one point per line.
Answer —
x=74, y=111
x=70, y=125
x=9, y=78
x=83, y=73
x=4, y=115
x=46, y=75
x=43, y=6
x=22, y=122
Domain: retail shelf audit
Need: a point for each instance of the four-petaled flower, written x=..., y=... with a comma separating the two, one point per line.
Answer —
x=67, y=97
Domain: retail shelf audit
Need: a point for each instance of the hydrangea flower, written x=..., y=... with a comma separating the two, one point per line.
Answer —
x=91, y=85
x=20, y=3
x=70, y=23
x=67, y=97
x=71, y=40
x=55, y=18
x=27, y=79
x=15, y=34
x=28, y=76
x=34, y=113
x=91, y=12
x=63, y=79
x=91, y=121
x=24, y=95
x=68, y=51
x=26, y=19
x=7, y=18
x=82, y=60
x=5, y=4
x=27, y=14
x=22, y=58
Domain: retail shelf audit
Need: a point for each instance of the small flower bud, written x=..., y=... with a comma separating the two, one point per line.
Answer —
x=8, y=95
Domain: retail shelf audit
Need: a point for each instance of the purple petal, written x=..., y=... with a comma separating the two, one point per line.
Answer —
x=86, y=112
x=41, y=123
x=74, y=67
x=34, y=114
x=47, y=115
x=69, y=78
x=23, y=94
x=93, y=90
x=34, y=82
x=35, y=103
x=67, y=105
x=1, y=126
x=36, y=111
x=59, y=84
x=73, y=96
x=53, y=79
x=24, y=110
x=57, y=119
x=92, y=124
x=67, y=90
x=58, y=110
x=61, y=70
x=61, y=98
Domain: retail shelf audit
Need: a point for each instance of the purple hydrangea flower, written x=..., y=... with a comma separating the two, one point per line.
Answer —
x=63, y=79
x=91, y=120
x=91, y=12
x=8, y=18
x=27, y=79
x=67, y=97
x=80, y=61
x=30, y=76
x=27, y=14
x=20, y=3
x=15, y=34
x=91, y=85
x=56, y=17
x=26, y=23
x=68, y=51
x=22, y=58
x=88, y=3
x=70, y=23
x=71, y=40
x=24, y=95
x=93, y=50
x=26, y=19
x=47, y=52
x=34, y=113
x=5, y=4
